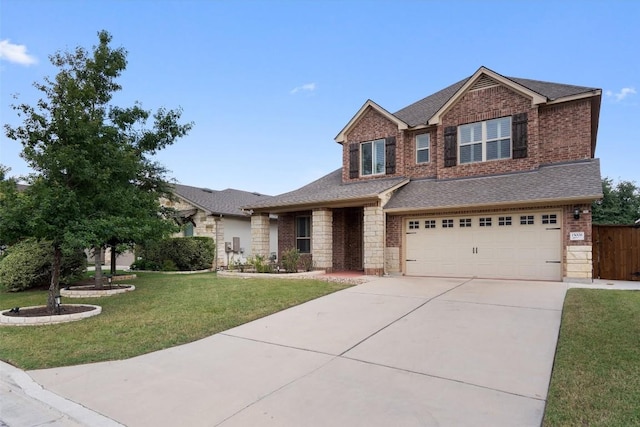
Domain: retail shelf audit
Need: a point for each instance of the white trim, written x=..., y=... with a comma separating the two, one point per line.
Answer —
x=590, y=94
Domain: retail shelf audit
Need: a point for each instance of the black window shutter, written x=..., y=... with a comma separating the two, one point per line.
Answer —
x=390, y=155
x=450, y=146
x=354, y=157
x=519, y=132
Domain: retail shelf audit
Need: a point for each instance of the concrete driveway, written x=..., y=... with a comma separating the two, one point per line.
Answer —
x=394, y=351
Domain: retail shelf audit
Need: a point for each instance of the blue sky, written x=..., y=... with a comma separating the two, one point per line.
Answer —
x=269, y=84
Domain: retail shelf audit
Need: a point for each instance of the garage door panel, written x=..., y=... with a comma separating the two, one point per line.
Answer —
x=502, y=248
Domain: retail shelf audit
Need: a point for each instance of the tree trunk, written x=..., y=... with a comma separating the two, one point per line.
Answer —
x=113, y=260
x=54, y=287
x=97, y=251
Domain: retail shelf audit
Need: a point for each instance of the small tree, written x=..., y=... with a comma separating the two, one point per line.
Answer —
x=94, y=180
x=620, y=204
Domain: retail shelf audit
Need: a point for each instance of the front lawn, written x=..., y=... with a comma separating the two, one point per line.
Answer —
x=596, y=374
x=163, y=311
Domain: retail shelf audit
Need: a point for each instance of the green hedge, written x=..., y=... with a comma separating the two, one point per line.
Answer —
x=177, y=253
x=28, y=264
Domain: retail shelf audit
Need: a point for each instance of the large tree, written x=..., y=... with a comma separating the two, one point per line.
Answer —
x=620, y=204
x=95, y=181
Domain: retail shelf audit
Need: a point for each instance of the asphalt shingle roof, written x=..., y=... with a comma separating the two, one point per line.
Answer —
x=225, y=202
x=579, y=180
x=329, y=188
x=421, y=111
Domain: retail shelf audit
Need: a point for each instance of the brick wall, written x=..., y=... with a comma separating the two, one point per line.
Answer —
x=565, y=132
x=420, y=170
x=488, y=104
x=371, y=126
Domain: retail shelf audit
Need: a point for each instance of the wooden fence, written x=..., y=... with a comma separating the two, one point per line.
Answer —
x=616, y=252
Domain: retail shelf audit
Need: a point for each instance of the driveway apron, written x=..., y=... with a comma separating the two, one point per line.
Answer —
x=393, y=351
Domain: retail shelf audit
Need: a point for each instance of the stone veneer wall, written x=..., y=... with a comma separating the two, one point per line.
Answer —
x=322, y=239
x=578, y=254
x=260, y=244
x=373, y=240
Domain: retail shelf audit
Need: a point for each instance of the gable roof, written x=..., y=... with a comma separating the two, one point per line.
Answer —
x=225, y=202
x=427, y=110
x=576, y=181
x=328, y=189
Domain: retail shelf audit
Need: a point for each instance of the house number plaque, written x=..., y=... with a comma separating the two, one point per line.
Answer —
x=576, y=235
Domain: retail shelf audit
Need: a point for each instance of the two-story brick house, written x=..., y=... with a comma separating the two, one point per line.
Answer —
x=492, y=176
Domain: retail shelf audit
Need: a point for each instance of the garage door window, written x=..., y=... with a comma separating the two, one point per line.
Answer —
x=485, y=222
x=447, y=223
x=414, y=225
x=504, y=220
x=465, y=222
x=526, y=220
x=550, y=219
x=430, y=223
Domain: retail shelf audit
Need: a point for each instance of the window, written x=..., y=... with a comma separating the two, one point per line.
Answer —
x=423, y=142
x=187, y=231
x=303, y=234
x=485, y=222
x=550, y=219
x=482, y=141
x=526, y=220
x=465, y=222
x=447, y=223
x=504, y=220
x=372, y=157
x=430, y=223
x=414, y=225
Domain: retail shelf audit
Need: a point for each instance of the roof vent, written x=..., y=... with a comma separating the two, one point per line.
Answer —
x=207, y=190
x=483, y=82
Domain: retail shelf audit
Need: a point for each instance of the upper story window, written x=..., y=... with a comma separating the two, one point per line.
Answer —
x=372, y=157
x=423, y=146
x=483, y=141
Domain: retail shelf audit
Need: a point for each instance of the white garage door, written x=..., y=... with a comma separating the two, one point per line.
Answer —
x=509, y=246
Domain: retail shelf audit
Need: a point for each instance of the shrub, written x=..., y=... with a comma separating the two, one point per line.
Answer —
x=290, y=260
x=178, y=253
x=307, y=262
x=28, y=264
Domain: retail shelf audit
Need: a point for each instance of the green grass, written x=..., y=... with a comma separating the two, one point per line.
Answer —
x=163, y=311
x=596, y=374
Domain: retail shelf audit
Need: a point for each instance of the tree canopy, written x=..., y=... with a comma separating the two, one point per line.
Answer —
x=620, y=204
x=94, y=181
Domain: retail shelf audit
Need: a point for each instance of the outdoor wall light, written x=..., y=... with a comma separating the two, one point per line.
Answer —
x=576, y=213
x=57, y=300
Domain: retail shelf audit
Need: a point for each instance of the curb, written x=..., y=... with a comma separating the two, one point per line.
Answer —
x=72, y=410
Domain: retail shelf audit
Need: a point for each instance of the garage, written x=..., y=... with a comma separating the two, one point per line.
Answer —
x=515, y=245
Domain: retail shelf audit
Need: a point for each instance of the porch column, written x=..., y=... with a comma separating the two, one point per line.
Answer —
x=373, y=240
x=260, y=234
x=221, y=256
x=322, y=239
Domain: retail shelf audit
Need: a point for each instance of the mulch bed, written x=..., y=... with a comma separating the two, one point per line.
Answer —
x=42, y=311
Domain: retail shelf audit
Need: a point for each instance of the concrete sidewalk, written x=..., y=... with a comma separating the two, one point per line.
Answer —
x=393, y=351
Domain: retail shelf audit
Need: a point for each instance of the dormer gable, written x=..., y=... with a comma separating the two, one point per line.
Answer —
x=482, y=79
x=341, y=137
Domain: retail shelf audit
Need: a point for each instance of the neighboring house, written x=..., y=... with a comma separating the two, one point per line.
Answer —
x=218, y=214
x=490, y=177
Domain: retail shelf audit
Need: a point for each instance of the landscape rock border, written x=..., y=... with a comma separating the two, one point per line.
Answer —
x=48, y=320
x=77, y=292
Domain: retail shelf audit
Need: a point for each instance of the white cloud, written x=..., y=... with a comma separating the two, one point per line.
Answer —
x=624, y=92
x=309, y=87
x=15, y=53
